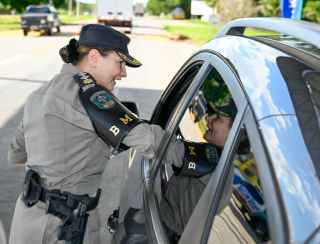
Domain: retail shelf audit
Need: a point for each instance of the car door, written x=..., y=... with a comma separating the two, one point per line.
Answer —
x=252, y=211
x=172, y=113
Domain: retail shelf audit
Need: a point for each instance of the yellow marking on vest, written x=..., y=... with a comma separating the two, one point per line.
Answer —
x=192, y=152
x=126, y=119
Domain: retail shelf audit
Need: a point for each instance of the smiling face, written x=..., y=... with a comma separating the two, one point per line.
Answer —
x=218, y=130
x=105, y=68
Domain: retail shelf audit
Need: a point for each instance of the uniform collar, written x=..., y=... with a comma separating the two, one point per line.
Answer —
x=69, y=69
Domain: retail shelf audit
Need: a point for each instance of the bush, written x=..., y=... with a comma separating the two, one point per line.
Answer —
x=156, y=7
x=233, y=9
x=269, y=8
x=311, y=11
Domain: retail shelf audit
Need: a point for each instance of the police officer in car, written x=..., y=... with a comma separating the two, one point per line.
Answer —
x=69, y=127
x=193, y=164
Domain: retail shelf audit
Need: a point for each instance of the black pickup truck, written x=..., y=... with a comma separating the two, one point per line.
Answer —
x=40, y=18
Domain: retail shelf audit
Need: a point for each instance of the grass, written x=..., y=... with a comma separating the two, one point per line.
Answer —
x=201, y=32
x=72, y=19
x=12, y=22
x=195, y=30
x=9, y=22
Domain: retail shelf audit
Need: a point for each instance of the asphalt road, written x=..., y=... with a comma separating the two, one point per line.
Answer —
x=28, y=62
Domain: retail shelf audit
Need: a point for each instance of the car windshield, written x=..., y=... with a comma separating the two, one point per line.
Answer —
x=45, y=10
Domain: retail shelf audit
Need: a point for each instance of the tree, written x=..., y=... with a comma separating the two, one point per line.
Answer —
x=212, y=3
x=269, y=7
x=311, y=10
x=21, y=5
x=157, y=7
x=233, y=9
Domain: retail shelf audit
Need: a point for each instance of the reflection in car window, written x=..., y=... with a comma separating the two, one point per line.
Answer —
x=194, y=153
x=304, y=88
x=244, y=218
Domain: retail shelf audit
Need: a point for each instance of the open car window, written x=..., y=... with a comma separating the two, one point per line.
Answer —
x=193, y=146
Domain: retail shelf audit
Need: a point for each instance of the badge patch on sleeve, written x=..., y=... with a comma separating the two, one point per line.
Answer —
x=102, y=100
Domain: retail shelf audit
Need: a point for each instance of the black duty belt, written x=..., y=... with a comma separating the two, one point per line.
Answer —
x=70, y=208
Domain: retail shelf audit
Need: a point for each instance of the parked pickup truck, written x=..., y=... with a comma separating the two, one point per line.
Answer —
x=40, y=18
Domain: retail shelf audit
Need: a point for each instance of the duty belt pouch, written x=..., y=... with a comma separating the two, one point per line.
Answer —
x=31, y=188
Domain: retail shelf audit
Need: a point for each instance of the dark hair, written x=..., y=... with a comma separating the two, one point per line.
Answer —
x=73, y=52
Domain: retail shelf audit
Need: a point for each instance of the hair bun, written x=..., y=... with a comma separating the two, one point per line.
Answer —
x=69, y=53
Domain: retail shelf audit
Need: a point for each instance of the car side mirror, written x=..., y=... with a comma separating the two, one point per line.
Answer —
x=132, y=106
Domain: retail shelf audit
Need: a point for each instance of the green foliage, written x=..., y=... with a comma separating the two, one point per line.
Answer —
x=9, y=22
x=269, y=7
x=233, y=9
x=212, y=3
x=157, y=7
x=21, y=5
x=311, y=10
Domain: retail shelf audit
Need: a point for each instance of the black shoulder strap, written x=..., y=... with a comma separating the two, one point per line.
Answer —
x=110, y=118
x=199, y=159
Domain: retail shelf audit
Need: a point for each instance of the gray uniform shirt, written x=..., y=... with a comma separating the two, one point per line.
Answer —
x=56, y=138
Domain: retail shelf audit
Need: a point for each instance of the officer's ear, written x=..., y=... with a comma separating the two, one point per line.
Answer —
x=93, y=56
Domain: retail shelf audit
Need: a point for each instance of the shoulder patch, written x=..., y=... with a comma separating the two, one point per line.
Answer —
x=102, y=100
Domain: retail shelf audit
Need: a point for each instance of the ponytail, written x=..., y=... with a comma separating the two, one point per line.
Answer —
x=69, y=53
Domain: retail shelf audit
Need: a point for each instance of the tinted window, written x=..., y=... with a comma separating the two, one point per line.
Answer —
x=242, y=216
x=304, y=88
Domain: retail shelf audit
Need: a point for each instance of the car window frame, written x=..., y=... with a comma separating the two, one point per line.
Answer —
x=157, y=233
x=277, y=220
x=223, y=67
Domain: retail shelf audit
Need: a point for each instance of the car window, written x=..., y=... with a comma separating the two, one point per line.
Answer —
x=173, y=94
x=242, y=216
x=45, y=10
x=304, y=87
x=193, y=153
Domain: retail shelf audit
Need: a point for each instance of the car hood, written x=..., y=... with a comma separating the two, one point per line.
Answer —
x=35, y=15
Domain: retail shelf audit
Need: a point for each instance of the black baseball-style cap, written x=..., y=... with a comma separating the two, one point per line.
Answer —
x=107, y=38
x=227, y=110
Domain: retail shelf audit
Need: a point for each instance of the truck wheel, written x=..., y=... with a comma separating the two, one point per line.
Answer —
x=25, y=32
x=49, y=32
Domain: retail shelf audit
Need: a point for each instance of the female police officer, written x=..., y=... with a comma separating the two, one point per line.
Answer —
x=63, y=143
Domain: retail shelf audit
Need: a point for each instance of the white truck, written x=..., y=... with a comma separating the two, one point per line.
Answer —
x=115, y=12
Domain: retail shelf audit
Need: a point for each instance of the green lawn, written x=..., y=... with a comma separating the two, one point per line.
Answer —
x=9, y=22
x=12, y=22
x=195, y=30
x=72, y=19
x=202, y=32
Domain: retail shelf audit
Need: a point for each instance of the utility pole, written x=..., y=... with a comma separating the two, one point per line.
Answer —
x=78, y=8
x=69, y=7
